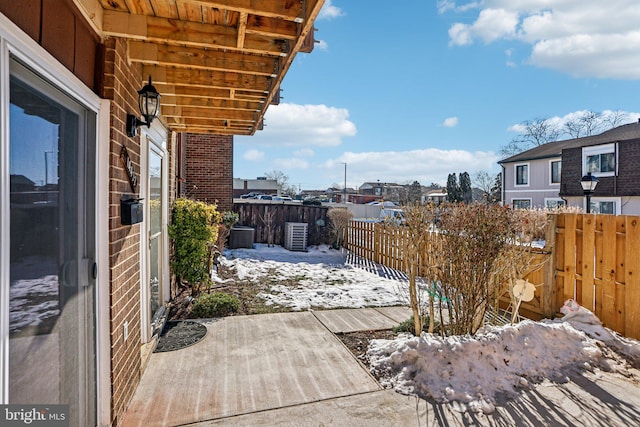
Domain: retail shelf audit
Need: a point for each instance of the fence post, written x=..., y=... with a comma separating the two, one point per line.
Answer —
x=549, y=308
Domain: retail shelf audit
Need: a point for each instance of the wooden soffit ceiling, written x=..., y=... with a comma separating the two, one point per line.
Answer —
x=217, y=64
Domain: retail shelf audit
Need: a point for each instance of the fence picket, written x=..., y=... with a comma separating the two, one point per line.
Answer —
x=587, y=260
x=632, y=277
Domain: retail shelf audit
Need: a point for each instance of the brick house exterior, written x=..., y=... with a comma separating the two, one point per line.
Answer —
x=208, y=169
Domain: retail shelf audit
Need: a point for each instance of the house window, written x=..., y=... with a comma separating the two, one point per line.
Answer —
x=610, y=206
x=553, y=203
x=556, y=168
x=600, y=160
x=522, y=174
x=521, y=203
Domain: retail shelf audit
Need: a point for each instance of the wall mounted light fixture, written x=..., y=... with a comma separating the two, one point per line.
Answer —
x=149, y=104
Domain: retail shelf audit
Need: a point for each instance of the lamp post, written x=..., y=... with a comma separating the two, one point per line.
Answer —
x=589, y=183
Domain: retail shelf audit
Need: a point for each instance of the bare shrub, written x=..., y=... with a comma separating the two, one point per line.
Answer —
x=268, y=219
x=339, y=218
x=416, y=236
x=478, y=254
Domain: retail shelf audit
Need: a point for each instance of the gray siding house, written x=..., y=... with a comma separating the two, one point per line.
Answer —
x=549, y=175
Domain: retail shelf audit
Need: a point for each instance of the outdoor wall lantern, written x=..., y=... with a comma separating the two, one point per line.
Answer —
x=589, y=183
x=149, y=104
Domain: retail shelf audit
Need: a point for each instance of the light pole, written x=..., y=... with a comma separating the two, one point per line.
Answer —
x=589, y=183
x=344, y=190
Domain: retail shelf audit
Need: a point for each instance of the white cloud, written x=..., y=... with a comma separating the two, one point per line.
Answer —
x=450, y=122
x=322, y=45
x=290, y=125
x=445, y=5
x=491, y=25
x=425, y=165
x=291, y=163
x=253, y=155
x=589, y=38
x=304, y=152
x=329, y=11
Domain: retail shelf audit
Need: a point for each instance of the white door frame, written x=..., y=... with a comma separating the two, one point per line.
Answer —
x=153, y=138
x=17, y=43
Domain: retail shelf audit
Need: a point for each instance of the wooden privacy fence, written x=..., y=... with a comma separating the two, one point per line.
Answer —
x=254, y=215
x=383, y=244
x=593, y=259
x=597, y=263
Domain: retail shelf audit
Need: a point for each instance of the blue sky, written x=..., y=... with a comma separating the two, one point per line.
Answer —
x=430, y=88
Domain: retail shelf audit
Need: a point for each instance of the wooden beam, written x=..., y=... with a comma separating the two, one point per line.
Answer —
x=164, y=30
x=181, y=56
x=213, y=113
x=169, y=75
x=194, y=91
x=277, y=28
x=242, y=29
x=290, y=10
x=191, y=101
x=312, y=9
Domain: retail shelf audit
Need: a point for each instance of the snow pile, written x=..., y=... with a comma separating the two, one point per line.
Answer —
x=584, y=320
x=319, y=278
x=481, y=371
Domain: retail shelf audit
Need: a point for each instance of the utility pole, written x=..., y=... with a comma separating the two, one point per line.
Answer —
x=344, y=190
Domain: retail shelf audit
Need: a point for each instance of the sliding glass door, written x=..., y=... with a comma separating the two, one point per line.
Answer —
x=51, y=251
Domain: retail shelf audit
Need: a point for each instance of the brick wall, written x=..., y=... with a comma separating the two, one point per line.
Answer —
x=209, y=168
x=624, y=184
x=121, y=82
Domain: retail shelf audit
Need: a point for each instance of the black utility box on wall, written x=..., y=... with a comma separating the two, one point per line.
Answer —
x=130, y=211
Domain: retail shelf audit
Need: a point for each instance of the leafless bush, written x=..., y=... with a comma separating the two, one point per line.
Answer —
x=268, y=219
x=339, y=218
x=416, y=236
x=479, y=252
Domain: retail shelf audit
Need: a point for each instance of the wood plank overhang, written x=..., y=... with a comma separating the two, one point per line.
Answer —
x=218, y=64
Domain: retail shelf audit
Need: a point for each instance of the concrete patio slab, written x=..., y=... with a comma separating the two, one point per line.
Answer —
x=355, y=319
x=397, y=314
x=589, y=400
x=247, y=364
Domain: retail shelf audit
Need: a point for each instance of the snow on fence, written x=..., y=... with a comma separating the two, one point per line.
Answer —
x=595, y=260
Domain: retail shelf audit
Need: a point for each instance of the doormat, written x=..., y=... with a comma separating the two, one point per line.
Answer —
x=179, y=334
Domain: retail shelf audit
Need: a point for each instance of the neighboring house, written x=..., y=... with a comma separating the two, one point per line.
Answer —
x=436, y=196
x=85, y=201
x=549, y=175
x=259, y=186
x=386, y=190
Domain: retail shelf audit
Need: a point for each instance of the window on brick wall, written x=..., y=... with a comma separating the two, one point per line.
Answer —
x=599, y=160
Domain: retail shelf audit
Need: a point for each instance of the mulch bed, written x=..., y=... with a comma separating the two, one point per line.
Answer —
x=358, y=342
x=177, y=335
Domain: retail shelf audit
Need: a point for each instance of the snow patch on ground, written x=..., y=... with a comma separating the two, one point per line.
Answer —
x=322, y=276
